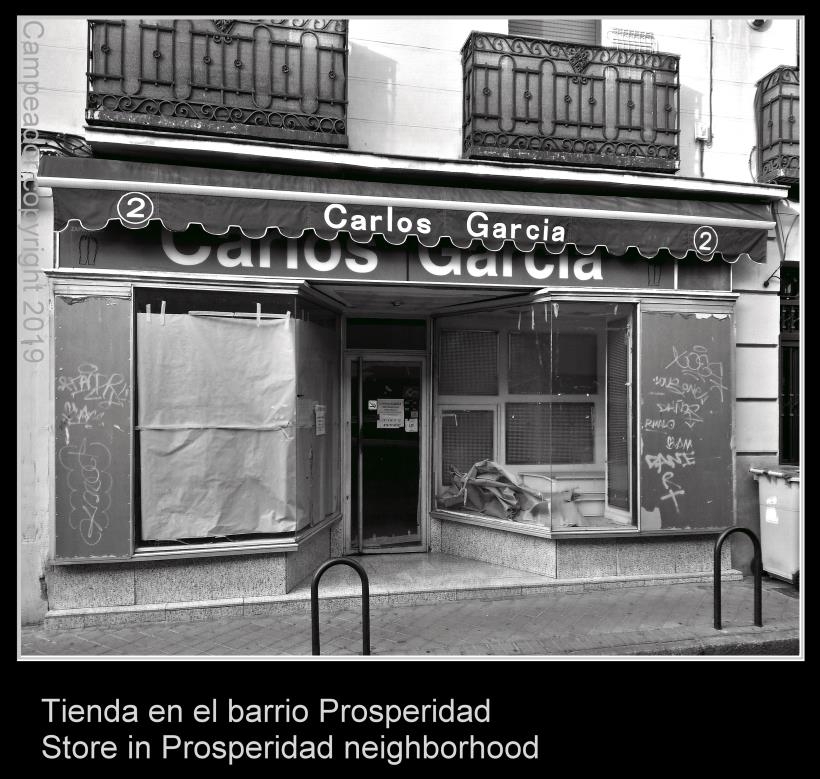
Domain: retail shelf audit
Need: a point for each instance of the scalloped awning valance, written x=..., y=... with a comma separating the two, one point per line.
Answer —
x=93, y=192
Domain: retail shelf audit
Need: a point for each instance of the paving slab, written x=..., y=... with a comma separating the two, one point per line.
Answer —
x=395, y=581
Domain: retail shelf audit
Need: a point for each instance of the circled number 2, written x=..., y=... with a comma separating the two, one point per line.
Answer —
x=706, y=240
x=135, y=208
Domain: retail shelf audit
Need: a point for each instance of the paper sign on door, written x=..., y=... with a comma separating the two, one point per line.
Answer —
x=411, y=426
x=391, y=413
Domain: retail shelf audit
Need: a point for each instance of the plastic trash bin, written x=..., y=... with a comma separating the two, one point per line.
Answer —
x=779, y=491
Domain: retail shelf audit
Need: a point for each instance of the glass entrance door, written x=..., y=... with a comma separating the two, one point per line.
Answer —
x=385, y=453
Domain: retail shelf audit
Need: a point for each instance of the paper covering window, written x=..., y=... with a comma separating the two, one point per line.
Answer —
x=216, y=402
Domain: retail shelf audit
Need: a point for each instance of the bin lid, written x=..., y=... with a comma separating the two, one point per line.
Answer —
x=790, y=473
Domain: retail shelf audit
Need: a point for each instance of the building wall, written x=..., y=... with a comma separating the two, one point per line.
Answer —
x=51, y=69
x=61, y=62
x=34, y=407
x=405, y=91
x=757, y=382
x=405, y=82
x=740, y=57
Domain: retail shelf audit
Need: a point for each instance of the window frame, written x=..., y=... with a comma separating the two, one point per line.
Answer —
x=596, y=469
x=217, y=545
x=499, y=401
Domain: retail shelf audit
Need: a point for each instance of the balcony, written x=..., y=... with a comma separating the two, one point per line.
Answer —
x=535, y=100
x=277, y=79
x=777, y=113
x=789, y=317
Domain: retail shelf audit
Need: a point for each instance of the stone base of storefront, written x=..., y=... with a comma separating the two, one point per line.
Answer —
x=530, y=549
x=143, y=588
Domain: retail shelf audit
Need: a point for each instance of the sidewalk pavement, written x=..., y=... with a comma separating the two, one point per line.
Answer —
x=675, y=619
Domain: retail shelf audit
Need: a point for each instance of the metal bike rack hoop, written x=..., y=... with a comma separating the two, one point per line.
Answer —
x=757, y=569
x=314, y=601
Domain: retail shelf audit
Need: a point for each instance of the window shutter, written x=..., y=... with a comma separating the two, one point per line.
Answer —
x=586, y=31
x=550, y=433
x=468, y=363
x=466, y=438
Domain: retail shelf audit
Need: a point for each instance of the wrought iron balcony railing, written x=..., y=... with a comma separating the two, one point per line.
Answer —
x=545, y=101
x=789, y=317
x=277, y=79
x=777, y=112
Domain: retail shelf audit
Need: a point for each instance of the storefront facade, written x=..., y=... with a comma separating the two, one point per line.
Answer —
x=256, y=372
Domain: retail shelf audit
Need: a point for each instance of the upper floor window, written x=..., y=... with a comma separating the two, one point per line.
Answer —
x=586, y=31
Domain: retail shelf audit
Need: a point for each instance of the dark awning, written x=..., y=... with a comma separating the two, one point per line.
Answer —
x=91, y=192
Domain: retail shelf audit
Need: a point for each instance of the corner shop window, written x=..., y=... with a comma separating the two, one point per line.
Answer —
x=547, y=411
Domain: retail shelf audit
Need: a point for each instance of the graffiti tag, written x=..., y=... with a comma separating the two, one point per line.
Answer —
x=695, y=363
x=90, y=385
x=86, y=465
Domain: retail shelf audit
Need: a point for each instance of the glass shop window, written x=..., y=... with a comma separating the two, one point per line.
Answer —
x=535, y=410
x=219, y=387
x=469, y=362
x=467, y=436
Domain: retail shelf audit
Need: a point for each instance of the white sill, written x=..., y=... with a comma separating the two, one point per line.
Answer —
x=527, y=529
x=229, y=548
x=174, y=552
x=257, y=546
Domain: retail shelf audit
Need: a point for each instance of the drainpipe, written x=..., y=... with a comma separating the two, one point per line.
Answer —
x=704, y=142
x=711, y=78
